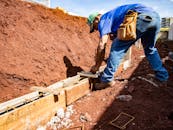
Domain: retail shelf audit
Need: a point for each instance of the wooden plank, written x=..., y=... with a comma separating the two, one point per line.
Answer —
x=56, y=85
x=31, y=115
x=12, y=104
x=25, y=98
x=47, y=90
x=18, y=101
x=38, y=110
x=77, y=91
x=71, y=81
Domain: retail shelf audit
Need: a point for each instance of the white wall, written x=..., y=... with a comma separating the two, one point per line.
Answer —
x=43, y=2
x=170, y=34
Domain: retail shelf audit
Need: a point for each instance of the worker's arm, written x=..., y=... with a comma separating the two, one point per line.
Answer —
x=100, y=54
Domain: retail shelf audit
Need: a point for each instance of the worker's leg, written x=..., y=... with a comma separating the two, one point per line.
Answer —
x=148, y=40
x=117, y=52
x=152, y=55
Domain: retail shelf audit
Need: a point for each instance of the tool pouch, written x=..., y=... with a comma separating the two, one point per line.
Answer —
x=127, y=30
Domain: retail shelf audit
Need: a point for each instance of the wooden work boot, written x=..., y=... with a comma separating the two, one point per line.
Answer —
x=103, y=85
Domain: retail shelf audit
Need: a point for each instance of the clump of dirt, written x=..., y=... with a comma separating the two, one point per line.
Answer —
x=40, y=46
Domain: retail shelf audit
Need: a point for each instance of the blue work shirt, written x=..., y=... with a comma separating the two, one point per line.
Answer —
x=110, y=21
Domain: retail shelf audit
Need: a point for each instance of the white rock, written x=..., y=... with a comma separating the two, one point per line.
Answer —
x=103, y=99
x=70, y=107
x=85, y=117
x=89, y=94
x=60, y=113
x=61, y=120
x=124, y=97
x=67, y=114
x=41, y=128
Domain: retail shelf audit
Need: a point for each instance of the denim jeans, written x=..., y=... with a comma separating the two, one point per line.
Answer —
x=148, y=26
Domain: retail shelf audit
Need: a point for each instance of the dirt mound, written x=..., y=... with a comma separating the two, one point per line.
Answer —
x=38, y=46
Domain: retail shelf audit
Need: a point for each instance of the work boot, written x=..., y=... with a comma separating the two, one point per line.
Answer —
x=160, y=83
x=167, y=83
x=103, y=85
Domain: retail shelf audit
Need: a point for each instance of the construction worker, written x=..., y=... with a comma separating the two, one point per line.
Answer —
x=147, y=27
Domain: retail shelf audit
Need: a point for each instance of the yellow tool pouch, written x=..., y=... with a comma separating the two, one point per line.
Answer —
x=127, y=30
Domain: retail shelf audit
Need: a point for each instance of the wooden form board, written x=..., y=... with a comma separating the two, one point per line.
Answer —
x=31, y=115
x=35, y=95
x=39, y=111
x=77, y=91
x=18, y=101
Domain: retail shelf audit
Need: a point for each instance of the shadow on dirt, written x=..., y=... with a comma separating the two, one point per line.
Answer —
x=71, y=70
x=151, y=106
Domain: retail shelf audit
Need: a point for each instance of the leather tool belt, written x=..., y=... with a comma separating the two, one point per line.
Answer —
x=127, y=30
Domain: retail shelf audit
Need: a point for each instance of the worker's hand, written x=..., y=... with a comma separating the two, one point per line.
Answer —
x=94, y=69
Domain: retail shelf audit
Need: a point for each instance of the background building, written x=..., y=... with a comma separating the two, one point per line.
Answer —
x=166, y=22
x=43, y=2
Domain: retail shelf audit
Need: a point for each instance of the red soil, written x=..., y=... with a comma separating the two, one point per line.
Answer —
x=40, y=46
x=151, y=106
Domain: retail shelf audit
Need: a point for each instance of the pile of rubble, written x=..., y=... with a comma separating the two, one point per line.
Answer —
x=60, y=120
